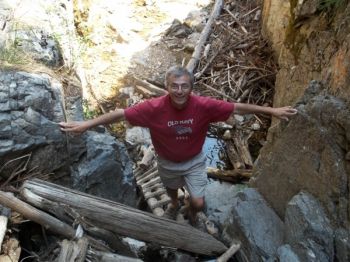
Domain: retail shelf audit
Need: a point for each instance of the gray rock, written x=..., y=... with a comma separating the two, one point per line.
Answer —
x=342, y=244
x=29, y=124
x=309, y=154
x=196, y=20
x=285, y=253
x=308, y=227
x=105, y=170
x=255, y=224
x=218, y=200
x=310, y=251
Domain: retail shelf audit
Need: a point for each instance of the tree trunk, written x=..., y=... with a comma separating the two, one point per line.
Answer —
x=128, y=221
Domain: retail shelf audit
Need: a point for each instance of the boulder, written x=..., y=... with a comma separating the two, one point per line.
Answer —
x=219, y=197
x=342, y=244
x=308, y=229
x=255, y=224
x=286, y=253
x=309, y=155
x=105, y=169
x=31, y=106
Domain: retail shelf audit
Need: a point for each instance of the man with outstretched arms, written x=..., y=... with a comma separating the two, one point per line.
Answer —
x=178, y=123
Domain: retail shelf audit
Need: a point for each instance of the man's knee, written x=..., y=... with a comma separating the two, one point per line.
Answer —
x=197, y=203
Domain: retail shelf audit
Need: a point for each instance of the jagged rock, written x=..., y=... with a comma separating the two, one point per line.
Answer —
x=218, y=200
x=196, y=20
x=285, y=253
x=178, y=29
x=30, y=109
x=138, y=135
x=309, y=155
x=255, y=224
x=105, y=170
x=308, y=229
x=41, y=45
x=342, y=244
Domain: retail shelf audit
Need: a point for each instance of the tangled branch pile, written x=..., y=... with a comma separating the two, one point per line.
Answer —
x=237, y=63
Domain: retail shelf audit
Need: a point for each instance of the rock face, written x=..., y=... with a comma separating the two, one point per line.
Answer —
x=309, y=155
x=311, y=43
x=30, y=109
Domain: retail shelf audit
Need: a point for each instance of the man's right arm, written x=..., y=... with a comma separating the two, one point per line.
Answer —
x=80, y=127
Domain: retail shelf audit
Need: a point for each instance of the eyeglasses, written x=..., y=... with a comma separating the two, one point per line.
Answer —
x=184, y=87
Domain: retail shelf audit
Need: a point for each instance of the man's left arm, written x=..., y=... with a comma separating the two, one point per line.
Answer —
x=279, y=112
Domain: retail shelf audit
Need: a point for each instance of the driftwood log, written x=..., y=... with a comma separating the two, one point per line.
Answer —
x=234, y=176
x=229, y=252
x=150, y=87
x=73, y=251
x=192, y=64
x=47, y=221
x=128, y=221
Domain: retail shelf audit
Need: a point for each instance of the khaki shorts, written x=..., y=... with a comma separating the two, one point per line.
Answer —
x=191, y=174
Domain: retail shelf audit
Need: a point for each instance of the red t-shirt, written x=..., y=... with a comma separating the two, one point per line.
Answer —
x=178, y=135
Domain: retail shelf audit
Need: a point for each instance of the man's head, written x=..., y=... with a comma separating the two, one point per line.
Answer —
x=179, y=83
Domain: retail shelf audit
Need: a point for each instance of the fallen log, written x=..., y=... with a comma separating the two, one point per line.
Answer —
x=145, y=92
x=128, y=221
x=233, y=176
x=70, y=216
x=47, y=221
x=192, y=64
x=233, y=155
x=152, y=88
x=72, y=251
x=240, y=139
x=229, y=252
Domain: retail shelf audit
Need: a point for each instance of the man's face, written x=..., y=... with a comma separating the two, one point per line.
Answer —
x=179, y=89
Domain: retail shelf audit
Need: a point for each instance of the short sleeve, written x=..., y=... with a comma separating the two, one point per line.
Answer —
x=140, y=114
x=218, y=110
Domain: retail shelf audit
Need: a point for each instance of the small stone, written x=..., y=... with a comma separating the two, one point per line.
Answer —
x=239, y=118
x=255, y=126
x=227, y=135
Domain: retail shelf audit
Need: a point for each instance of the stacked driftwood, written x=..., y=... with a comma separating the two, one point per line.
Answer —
x=237, y=65
x=91, y=226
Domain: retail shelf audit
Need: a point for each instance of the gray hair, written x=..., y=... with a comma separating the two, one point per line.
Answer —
x=178, y=71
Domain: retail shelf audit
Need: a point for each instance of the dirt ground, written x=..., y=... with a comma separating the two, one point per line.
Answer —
x=124, y=38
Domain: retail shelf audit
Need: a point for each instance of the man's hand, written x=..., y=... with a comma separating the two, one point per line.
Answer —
x=284, y=112
x=74, y=127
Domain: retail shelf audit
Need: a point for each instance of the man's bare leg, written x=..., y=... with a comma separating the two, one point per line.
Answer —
x=196, y=205
x=173, y=206
x=172, y=193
